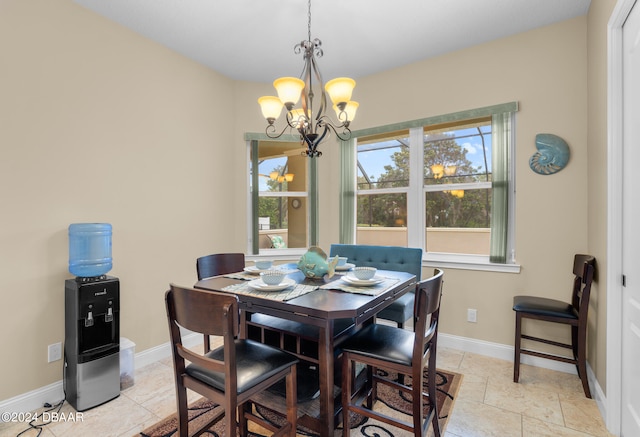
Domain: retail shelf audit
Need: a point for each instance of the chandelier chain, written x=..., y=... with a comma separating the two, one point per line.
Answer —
x=309, y=19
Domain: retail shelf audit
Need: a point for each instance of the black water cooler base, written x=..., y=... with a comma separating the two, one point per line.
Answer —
x=92, y=341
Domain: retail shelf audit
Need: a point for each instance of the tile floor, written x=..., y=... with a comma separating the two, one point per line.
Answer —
x=544, y=403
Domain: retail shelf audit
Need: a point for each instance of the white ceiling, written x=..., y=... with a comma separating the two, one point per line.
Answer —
x=253, y=39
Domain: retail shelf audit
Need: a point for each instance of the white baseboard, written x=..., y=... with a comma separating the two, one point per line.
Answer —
x=24, y=403
x=500, y=351
x=505, y=352
x=53, y=393
x=164, y=350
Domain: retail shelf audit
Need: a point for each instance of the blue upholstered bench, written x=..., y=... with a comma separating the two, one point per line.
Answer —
x=402, y=259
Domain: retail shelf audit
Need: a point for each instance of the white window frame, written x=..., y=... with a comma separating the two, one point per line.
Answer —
x=287, y=254
x=416, y=191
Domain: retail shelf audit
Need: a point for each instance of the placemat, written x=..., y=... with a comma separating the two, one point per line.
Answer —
x=283, y=296
x=372, y=290
x=246, y=276
x=242, y=275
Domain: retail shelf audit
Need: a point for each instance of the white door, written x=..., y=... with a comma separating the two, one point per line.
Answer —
x=630, y=416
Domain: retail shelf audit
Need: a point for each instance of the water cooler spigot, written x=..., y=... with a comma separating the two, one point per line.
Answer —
x=89, y=320
x=109, y=316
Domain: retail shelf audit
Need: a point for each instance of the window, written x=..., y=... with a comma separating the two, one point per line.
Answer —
x=280, y=198
x=457, y=186
x=443, y=184
x=382, y=187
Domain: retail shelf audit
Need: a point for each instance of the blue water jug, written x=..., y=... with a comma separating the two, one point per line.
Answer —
x=90, y=249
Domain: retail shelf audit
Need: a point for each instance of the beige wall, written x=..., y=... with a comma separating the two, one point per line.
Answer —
x=78, y=91
x=99, y=124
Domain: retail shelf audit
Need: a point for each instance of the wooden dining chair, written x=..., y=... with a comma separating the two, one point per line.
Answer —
x=219, y=264
x=398, y=350
x=230, y=375
x=572, y=313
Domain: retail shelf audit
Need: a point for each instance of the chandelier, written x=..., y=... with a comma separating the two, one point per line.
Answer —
x=312, y=122
x=280, y=178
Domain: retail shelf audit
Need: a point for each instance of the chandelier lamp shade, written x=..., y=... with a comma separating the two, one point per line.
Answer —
x=440, y=170
x=276, y=176
x=437, y=170
x=311, y=118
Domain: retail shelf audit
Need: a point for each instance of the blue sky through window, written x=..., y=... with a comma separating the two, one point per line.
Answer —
x=266, y=167
x=373, y=157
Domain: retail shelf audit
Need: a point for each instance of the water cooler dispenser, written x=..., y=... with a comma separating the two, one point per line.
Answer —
x=92, y=319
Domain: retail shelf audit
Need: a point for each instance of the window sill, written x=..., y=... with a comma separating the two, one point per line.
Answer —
x=467, y=262
x=439, y=260
x=278, y=254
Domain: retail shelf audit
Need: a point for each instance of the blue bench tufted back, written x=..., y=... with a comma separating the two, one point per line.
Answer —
x=401, y=259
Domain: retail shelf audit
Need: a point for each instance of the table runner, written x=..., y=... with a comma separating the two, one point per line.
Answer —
x=284, y=295
x=372, y=290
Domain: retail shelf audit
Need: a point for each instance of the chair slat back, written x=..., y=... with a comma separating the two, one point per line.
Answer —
x=578, y=264
x=427, y=312
x=219, y=264
x=583, y=269
x=204, y=312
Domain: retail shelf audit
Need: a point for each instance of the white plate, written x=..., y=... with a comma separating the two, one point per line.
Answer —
x=257, y=284
x=346, y=266
x=352, y=280
x=254, y=270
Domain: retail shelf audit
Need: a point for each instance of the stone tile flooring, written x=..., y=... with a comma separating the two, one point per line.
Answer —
x=544, y=403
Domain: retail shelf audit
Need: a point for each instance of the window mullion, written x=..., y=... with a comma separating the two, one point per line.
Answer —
x=384, y=191
x=283, y=194
x=457, y=186
x=415, y=199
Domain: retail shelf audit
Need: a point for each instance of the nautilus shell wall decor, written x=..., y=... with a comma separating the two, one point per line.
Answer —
x=552, y=155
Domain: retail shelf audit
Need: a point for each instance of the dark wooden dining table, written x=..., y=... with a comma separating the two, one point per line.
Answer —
x=319, y=308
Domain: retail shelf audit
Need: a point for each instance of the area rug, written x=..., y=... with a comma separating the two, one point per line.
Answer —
x=390, y=401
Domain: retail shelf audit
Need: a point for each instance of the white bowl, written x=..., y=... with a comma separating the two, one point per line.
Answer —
x=272, y=277
x=364, y=273
x=263, y=265
x=342, y=260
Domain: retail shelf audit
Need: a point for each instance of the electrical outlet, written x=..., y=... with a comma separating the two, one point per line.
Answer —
x=472, y=315
x=54, y=352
